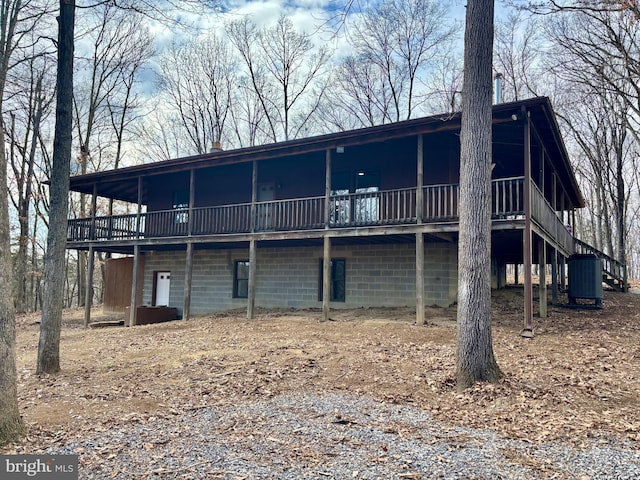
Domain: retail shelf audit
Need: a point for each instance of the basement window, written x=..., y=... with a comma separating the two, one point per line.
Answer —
x=241, y=279
x=338, y=280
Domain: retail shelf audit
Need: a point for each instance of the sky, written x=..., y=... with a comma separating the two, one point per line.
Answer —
x=307, y=15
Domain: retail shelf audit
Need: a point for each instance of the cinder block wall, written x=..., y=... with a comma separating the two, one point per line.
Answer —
x=376, y=275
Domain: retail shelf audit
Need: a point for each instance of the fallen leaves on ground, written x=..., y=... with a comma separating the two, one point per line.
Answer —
x=577, y=380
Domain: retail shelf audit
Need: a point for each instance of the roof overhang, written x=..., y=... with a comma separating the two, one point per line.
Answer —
x=122, y=184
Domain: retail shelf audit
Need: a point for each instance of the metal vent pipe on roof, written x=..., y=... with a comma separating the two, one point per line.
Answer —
x=498, y=88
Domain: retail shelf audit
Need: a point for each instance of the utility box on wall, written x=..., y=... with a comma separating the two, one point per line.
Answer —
x=585, y=278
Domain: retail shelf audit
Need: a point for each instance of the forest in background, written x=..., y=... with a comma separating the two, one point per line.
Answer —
x=139, y=98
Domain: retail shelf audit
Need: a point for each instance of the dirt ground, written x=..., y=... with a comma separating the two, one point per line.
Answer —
x=577, y=380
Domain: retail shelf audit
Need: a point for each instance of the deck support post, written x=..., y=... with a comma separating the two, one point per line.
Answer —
x=527, y=330
x=251, y=291
x=326, y=278
x=420, y=319
x=563, y=273
x=134, y=287
x=542, y=276
x=188, y=275
x=88, y=294
x=251, y=287
x=326, y=251
x=554, y=277
x=515, y=273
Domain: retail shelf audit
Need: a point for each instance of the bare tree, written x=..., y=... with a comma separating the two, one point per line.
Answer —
x=118, y=45
x=247, y=117
x=198, y=80
x=285, y=72
x=49, y=343
x=404, y=41
x=475, y=360
x=32, y=102
x=596, y=57
x=360, y=97
x=447, y=85
x=517, y=52
x=18, y=19
x=163, y=136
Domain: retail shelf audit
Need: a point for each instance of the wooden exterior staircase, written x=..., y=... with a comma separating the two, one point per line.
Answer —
x=614, y=273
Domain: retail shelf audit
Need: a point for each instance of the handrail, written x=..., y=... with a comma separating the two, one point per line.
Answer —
x=612, y=267
x=546, y=217
x=373, y=208
x=386, y=207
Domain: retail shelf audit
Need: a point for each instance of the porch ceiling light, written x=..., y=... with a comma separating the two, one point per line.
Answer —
x=361, y=174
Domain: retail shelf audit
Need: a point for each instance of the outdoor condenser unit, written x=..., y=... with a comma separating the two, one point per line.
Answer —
x=585, y=278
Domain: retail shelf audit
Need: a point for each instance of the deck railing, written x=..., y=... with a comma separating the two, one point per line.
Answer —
x=507, y=198
x=389, y=207
x=373, y=208
x=222, y=219
x=440, y=202
x=293, y=214
x=545, y=216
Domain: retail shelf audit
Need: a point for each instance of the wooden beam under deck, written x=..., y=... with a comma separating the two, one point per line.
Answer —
x=437, y=230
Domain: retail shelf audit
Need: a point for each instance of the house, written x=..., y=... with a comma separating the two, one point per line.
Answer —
x=362, y=218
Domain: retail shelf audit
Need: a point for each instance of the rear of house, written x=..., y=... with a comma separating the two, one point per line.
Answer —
x=354, y=219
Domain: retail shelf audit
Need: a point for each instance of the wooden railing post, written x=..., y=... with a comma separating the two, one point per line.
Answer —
x=192, y=193
x=327, y=189
x=94, y=206
x=139, y=210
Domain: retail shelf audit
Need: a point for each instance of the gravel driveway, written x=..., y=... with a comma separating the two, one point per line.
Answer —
x=332, y=436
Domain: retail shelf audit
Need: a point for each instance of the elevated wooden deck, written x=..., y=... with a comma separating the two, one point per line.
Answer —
x=390, y=207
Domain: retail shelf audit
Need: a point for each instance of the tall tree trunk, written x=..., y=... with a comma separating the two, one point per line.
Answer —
x=10, y=422
x=49, y=345
x=475, y=360
x=11, y=426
